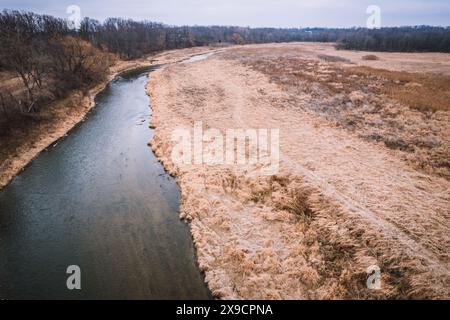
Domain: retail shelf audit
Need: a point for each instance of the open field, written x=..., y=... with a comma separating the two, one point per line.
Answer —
x=431, y=62
x=363, y=179
x=406, y=111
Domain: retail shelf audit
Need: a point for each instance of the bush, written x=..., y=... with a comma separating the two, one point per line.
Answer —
x=76, y=64
x=370, y=57
x=329, y=58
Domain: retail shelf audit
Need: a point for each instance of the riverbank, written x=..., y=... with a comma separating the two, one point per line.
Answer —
x=62, y=115
x=341, y=206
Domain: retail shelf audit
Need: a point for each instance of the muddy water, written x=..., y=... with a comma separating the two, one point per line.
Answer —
x=100, y=200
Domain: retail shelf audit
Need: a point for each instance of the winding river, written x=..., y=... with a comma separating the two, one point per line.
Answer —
x=99, y=199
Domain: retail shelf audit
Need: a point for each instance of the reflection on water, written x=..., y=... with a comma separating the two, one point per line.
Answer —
x=199, y=57
x=99, y=200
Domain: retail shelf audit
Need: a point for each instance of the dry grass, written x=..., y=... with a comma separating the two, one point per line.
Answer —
x=329, y=58
x=336, y=248
x=292, y=236
x=294, y=201
x=407, y=112
x=370, y=57
x=424, y=92
x=299, y=205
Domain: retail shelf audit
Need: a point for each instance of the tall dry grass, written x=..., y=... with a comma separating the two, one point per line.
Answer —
x=424, y=92
x=408, y=112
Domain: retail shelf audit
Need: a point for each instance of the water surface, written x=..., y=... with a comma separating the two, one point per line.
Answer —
x=101, y=200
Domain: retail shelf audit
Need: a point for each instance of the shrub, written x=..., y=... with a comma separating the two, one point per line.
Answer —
x=370, y=57
x=329, y=58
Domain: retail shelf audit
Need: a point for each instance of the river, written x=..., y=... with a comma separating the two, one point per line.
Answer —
x=99, y=199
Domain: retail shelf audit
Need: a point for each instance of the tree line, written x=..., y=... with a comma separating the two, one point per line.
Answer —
x=402, y=39
x=51, y=59
x=48, y=58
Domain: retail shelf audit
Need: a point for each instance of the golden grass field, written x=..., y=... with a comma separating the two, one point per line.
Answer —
x=363, y=179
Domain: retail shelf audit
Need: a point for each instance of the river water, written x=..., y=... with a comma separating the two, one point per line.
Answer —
x=99, y=200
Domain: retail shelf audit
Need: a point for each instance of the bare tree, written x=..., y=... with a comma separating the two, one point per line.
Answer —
x=237, y=38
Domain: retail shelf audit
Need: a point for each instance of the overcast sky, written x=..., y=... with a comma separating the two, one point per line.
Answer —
x=254, y=13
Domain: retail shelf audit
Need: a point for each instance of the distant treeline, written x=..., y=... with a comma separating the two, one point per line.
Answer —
x=51, y=59
x=403, y=39
x=131, y=39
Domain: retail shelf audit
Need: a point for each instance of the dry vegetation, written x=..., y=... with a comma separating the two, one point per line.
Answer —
x=329, y=58
x=340, y=202
x=424, y=92
x=408, y=112
x=370, y=57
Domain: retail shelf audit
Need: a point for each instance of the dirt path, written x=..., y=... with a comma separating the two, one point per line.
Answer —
x=368, y=207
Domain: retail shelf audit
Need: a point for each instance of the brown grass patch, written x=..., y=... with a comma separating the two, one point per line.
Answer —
x=329, y=58
x=424, y=92
x=370, y=57
x=298, y=204
x=379, y=105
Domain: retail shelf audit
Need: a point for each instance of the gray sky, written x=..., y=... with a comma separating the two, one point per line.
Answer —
x=254, y=13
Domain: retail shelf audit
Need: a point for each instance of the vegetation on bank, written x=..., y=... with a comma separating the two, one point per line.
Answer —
x=41, y=61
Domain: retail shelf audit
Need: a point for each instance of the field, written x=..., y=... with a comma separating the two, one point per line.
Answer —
x=364, y=175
